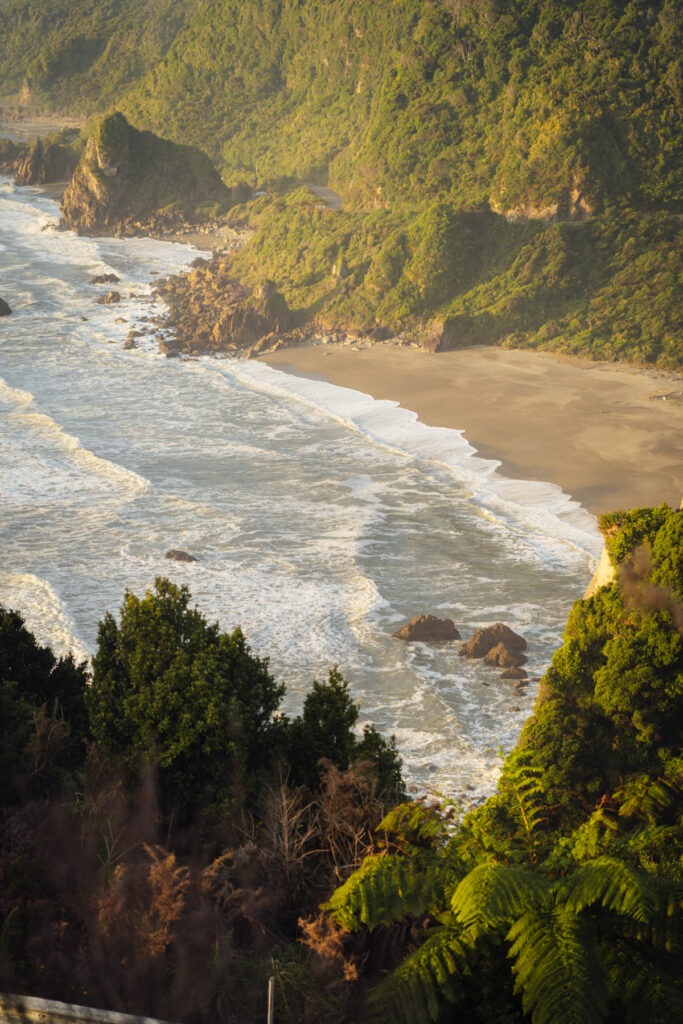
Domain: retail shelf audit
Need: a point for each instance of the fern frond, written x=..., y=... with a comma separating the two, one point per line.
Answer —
x=557, y=968
x=492, y=896
x=615, y=886
x=415, y=992
x=415, y=826
x=386, y=889
x=647, y=798
x=526, y=783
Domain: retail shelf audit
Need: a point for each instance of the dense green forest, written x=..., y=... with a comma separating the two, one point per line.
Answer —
x=511, y=170
x=168, y=836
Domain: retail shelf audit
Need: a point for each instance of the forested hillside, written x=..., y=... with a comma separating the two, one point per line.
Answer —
x=511, y=170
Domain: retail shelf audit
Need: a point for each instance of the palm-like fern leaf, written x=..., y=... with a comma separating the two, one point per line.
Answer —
x=415, y=992
x=557, y=968
x=386, y=889
x=614, y=885
x=492, y=896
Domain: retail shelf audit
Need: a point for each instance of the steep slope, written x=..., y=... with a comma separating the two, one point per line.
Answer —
x=75, y=57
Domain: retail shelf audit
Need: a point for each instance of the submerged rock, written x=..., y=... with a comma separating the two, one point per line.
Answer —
x=427, y=629
x=180, y=556
x=514, y=673
x=105, y=279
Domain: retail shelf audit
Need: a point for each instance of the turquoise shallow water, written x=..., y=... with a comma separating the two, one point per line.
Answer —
x=321, y=518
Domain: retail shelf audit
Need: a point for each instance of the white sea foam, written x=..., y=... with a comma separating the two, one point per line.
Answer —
x=43, y=612
x=321, y=518
x=521, y=504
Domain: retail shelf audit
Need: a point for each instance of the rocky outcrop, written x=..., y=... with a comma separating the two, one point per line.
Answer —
x=4, y=308
x=109, y=299
x=486, y=639
x=105, y=279
x=44, y=163
x=210, y=312
x=11, y=153
x=180, y=556
x=427, y=629
x=132, y=182
x=503, y=657
x=604, y=575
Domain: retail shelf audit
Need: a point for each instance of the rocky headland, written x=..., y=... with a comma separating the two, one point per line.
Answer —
x=131, y=182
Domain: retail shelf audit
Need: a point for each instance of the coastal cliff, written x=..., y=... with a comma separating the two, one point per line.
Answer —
x=130, y=181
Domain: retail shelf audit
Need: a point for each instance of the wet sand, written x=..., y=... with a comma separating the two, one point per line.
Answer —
x=610, y=435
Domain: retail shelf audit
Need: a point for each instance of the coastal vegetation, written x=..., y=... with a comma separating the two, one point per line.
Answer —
x=163, y=861
x=510, y=171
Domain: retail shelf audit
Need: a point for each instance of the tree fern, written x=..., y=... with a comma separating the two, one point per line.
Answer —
x=615, y=886
x=526, y=782
x=558, y=971
x=492, y=896
x=415, y=991
x=388, y=888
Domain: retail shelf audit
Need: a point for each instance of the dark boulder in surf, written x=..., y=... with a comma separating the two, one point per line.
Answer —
x=504, y=657
x=484, y=640
x=105, y=279
x=427, y=629
x=180, y=556
x=4, y=308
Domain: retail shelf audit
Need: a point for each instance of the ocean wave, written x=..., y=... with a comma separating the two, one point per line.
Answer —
x=20, y=412
x=517, y=504
x=43, y=612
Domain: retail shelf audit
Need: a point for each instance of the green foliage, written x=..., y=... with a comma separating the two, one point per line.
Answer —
x=43, y=719
x=426, y=116
x=77, y=57
x=170, y=689
x=624, y=531
x=325, y=732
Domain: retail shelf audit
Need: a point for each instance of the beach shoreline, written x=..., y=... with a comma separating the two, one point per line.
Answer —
x=610, y=435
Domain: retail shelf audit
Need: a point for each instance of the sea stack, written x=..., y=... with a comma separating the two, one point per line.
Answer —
x=131, y=181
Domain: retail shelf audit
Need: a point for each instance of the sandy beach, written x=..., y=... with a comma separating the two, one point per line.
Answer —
x=610, y=435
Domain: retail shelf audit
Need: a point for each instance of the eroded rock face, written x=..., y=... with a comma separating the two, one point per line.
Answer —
x=427, y=629
x=4, y=308
x=484, y=640
x=129, y=181
x=210, y=312
x=45, y=162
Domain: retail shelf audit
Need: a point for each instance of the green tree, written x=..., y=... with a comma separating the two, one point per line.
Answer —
x=326, y=730
x=43, y=718
x=170, y=689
